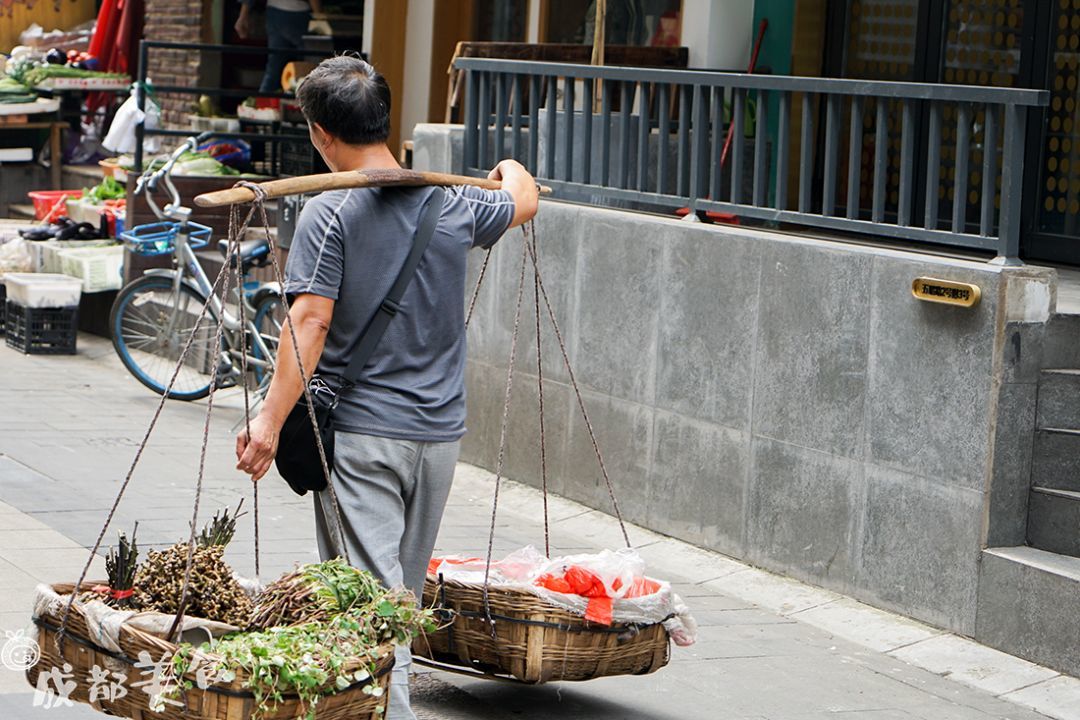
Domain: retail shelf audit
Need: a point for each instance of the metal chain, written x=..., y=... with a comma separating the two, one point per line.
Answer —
x=530, y=238
x=577, y=389
x=502, y=438
x=259, y=202
x=135, y=461
x=232, y=258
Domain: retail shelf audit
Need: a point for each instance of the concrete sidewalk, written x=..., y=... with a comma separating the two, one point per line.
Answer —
x=769, y=648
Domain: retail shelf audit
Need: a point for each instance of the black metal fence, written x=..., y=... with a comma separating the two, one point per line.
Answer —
x=924, y=162
x=275, y=133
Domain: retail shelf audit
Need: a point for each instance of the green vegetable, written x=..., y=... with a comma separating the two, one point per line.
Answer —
x=108, y=189
x=13, y=86
x=40, y=73
x=311, y=659
x=205, y=165
x=314, y=592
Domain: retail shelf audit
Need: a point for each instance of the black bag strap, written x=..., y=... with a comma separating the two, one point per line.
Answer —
x=365, y=346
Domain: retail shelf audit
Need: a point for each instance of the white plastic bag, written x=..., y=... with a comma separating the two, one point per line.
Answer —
x=121, y=136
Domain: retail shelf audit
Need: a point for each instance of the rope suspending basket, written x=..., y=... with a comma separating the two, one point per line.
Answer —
x=90, y=631
x=514, y=633
x=477, y=626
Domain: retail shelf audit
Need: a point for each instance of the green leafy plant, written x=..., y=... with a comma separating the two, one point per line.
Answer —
x=108, y=189
x=315, y=658
x=315, y=592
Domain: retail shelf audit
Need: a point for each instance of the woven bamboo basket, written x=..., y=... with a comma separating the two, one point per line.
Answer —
x=220, y=701
x=534, y=641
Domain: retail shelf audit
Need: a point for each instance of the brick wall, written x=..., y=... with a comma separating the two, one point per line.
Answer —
x=179, y=21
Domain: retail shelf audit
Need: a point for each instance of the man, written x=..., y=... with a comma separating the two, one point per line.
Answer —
x=398, y=429
x=286, y=23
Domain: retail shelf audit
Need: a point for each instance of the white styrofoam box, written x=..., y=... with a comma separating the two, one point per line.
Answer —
x=43, y=290
x=46, y=253
x=100, y=268
x=80, y=211
x=214, y=124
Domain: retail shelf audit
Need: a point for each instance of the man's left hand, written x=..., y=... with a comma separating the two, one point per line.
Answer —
x=255, y=453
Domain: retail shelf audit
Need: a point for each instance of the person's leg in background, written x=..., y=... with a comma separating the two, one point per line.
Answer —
x=284, y=29
x=391, y=494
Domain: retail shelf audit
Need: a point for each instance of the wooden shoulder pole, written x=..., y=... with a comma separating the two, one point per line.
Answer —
x=342, y=180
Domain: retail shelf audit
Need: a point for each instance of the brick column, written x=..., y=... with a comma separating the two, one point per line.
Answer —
x=177, y=21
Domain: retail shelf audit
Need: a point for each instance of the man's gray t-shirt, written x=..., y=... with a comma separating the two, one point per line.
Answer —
x=349, y=246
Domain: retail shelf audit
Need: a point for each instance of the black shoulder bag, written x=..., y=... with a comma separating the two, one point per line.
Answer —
x=298, y=455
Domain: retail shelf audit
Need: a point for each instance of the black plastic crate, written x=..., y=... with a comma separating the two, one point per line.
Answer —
x=41, y=331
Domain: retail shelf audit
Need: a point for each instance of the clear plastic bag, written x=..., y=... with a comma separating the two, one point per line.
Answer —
x=15, y=257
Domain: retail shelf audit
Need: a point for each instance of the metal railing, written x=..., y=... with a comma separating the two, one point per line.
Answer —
x=923, y=162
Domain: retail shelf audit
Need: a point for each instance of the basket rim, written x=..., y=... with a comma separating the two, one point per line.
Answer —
x=384, y=662
x=574, y=624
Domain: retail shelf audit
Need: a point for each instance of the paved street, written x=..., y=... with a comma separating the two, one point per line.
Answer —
x=769, y=648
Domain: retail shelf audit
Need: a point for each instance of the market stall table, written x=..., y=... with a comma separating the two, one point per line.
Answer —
x=28, y=111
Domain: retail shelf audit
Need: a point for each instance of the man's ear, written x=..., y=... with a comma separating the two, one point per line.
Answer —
x=322, y=138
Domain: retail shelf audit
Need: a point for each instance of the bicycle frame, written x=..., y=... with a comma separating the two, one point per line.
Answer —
x=187, y=265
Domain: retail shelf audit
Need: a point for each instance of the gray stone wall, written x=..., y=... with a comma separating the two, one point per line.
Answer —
x=776, y=398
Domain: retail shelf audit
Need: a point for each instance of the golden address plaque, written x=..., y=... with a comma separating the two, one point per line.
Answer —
x=946, y=292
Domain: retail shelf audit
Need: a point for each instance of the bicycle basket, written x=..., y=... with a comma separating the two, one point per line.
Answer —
x=160, y=238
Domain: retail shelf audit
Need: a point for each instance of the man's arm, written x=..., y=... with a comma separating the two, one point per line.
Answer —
x=310, y=315
x=243, y=23
x=517, y=181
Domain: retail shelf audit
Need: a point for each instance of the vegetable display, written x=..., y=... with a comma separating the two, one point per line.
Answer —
x=196, y=163
x=314, y=592
x=109, y=189
x=317, y=631
x=40, y=73
x=356, y=619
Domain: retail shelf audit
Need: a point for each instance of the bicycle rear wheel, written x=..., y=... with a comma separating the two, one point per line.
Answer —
x=268, y=320
x=150, y=325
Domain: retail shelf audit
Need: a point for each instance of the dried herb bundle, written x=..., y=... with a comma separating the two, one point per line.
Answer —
x=315, y=592
x=213, y=594
x=220, y=530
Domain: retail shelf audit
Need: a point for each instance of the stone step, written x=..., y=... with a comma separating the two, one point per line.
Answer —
x=1059, y=399
x=1061, y=344
x=1029, y=602
x=1055, y=460
x=1054, y=520
x=19, y=211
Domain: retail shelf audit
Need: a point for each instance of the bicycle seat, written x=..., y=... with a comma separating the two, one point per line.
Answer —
x=252, y=252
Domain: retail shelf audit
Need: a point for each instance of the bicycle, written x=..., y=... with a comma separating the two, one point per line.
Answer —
x=154, y=315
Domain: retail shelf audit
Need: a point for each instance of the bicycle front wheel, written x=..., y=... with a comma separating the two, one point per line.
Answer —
x=150, y=325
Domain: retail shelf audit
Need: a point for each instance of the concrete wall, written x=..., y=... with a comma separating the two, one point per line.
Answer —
x=776, y=398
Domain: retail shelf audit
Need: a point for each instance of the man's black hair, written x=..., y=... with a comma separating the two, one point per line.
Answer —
x=349, y=99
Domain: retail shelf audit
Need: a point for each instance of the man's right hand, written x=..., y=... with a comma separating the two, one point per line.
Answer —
x=255, y=452
x=517, y=181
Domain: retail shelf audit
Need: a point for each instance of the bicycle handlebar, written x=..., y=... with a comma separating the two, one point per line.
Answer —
x=148, y=181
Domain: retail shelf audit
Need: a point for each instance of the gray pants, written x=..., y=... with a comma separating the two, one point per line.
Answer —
x=391, y=494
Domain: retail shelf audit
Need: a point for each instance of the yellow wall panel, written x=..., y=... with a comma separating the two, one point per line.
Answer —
x=16, y=16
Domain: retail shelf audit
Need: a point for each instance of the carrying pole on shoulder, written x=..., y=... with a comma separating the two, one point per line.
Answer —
x=343, y=180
